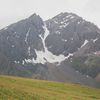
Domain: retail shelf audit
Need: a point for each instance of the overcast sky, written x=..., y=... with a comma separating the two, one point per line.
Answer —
x=14, y=10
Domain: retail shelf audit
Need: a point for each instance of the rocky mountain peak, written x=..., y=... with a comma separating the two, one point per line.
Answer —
x=35, y=19
x=34, y=15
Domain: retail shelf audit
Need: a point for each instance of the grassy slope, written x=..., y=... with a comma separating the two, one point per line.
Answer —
x=14, y=88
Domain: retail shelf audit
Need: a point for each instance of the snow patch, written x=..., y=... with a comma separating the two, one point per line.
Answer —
x=64, y=40
x=64, y=25
x=43, y=57
x=87, y=76
x=12, y=46
x=68, y=16
x=57, y=32
x=71, y=17
x=28, y=61
x=29, y=53
x=55, y=22
x=78, y=22
x=97, y=53
x=69, y=55
x=94, y=40
x=27, y=34
x=64, y=21
x=16, y=62
x=85, y=42
x=23, y=62
x=71, y=60
x=72, y=39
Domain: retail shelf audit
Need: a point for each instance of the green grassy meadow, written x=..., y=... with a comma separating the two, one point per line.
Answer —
x=15, y=88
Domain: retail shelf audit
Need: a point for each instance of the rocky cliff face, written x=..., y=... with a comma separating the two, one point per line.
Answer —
x=54, y=50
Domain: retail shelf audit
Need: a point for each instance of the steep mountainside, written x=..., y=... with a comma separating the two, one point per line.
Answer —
x=54, y=50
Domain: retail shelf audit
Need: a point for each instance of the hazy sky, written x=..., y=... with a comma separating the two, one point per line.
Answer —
x=15, y=10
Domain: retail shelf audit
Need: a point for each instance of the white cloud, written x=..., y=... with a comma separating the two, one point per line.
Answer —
x=14, y=10
x=91, y=11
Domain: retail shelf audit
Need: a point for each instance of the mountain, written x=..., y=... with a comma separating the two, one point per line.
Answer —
x=64, y=48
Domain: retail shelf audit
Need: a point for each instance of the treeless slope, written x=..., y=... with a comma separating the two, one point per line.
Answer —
x=14, y=88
